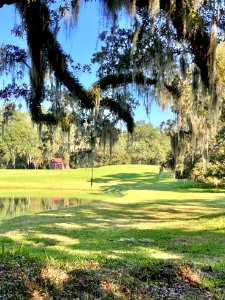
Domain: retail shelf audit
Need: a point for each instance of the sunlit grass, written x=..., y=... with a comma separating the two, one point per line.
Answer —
x=185, y=220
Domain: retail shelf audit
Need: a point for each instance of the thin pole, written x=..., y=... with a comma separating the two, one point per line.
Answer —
x=92, y=170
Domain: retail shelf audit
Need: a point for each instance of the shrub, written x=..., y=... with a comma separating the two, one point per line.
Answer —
x=212, y=173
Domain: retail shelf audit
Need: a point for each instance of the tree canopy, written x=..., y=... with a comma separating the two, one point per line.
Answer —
x=168, y=52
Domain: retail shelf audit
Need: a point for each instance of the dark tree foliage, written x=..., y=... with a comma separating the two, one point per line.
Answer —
x=46, y=54
x=162, y=51
x=170, y=53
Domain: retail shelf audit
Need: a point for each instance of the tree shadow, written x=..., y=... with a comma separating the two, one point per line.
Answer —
x=122, y=182
x=101, y=230
x=102, y=235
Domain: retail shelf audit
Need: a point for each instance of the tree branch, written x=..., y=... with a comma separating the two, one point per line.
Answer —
x=123, y=113
x=7, y=2
x=115, y=80
x=197, y=35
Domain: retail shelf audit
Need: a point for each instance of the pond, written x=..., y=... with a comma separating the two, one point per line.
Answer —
x=17, y=206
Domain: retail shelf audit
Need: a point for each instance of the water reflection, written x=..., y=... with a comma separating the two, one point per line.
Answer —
x=15, y=206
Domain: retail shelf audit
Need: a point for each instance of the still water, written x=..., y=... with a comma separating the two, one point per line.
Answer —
x=15, y=206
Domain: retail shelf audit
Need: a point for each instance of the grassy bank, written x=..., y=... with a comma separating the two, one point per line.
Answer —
x=157, y=232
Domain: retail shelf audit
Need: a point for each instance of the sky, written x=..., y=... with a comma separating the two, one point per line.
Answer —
x=81, y=42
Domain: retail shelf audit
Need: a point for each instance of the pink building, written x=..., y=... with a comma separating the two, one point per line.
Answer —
x=56, y=163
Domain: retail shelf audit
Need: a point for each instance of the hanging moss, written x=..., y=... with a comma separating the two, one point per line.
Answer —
x=166, y=30
x=197, y=110
x=47, y=53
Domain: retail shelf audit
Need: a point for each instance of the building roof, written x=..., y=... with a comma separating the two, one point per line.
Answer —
x=56, y=160
x=56, y=198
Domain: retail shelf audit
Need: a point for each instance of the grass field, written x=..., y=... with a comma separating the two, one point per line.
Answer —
x=168, y=236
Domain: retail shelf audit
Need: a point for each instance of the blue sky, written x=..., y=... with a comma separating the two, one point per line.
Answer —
x=81, y=42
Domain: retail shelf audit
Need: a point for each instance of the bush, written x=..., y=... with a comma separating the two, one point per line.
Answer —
x=213, y=173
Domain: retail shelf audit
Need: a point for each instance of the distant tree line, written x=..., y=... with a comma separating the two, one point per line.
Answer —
x=146, y=146
x=23, y=145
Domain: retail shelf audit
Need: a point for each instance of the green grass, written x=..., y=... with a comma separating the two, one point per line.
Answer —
x=136, y=218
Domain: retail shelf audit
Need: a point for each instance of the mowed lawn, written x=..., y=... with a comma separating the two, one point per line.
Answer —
x=136, y=217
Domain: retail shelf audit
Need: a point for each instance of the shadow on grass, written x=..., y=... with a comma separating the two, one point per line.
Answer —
x=121, y=182
x=108, y=231
x=114, y=270
x=110, y=255
x=113, y=249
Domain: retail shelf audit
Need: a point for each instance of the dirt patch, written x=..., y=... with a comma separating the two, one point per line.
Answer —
x=187, y=274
